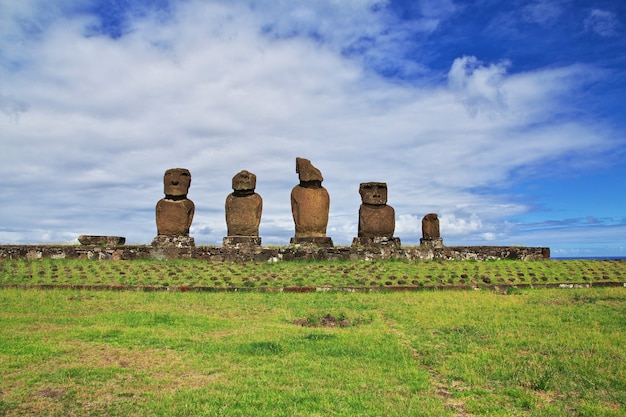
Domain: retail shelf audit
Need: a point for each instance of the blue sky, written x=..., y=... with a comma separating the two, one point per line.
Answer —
x=506, y=118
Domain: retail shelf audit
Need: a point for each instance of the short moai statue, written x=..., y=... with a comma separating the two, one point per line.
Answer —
x=310, y=204
x=377, y=220
x=243, y=212
x=431, y=236
x=174, y=213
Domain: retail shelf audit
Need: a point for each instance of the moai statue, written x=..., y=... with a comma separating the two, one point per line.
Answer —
x=243, y=211
x=377, y=220
x=310, y=204
x=174, y=213
x=431, y=236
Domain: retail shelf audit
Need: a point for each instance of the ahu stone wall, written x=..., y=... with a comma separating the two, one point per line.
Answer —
x=271, y=254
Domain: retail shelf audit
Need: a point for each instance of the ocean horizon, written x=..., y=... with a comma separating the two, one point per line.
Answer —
x=589, y=258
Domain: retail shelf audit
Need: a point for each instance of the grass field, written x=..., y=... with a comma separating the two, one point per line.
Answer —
x=539, y=352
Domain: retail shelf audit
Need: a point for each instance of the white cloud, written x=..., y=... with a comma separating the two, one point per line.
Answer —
x=542, y=12
x=460, y=226
x=602, y=22
x=479, y=87
x=12, y=107
x=218, y=87
x=439, y=9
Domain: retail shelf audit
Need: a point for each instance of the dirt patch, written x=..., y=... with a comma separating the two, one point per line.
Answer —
x=49, y=393
x=325, y=321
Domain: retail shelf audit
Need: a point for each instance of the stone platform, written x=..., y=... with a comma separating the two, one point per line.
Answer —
x=434, y=243
x=271, y=254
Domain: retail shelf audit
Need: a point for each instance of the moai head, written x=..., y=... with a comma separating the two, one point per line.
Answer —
x=244, y=181
x=306, y=171
x=176, y=182
x=374, y=193
x=430, y=226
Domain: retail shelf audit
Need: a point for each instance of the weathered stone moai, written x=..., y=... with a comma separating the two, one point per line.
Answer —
x=174, y=213
x=243, y=212
x=377, y=220
x=431, y=236
x=310, y=204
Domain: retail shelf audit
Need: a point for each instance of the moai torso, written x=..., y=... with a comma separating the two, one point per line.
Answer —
x=310, y=207
x=376, y=221
x=430, y=226
x=310, y=202
x=174, y=213
x=173, y=217
x=243, y=206
x=376, y=218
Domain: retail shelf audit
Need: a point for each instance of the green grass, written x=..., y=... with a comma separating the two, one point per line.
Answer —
x=542, y=352
x=507, y=352
x=184, y=274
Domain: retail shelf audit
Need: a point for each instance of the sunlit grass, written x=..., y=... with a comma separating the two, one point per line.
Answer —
x=536, y=352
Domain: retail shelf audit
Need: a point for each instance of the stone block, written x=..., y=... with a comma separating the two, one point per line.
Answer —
x=241, y=241
x=378, y=241
x=431, y=243
x=312, y=241
x=173, y=241
x=95, y=240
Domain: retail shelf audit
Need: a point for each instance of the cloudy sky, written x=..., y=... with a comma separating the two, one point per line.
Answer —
x=506, y=118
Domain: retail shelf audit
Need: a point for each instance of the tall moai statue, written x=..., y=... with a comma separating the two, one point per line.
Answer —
x=243, y=212
x=174, y=213
x=310, y=204
x=377, y=220
x=431, y=236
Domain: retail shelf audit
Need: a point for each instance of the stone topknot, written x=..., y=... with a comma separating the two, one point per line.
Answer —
x=306, y=171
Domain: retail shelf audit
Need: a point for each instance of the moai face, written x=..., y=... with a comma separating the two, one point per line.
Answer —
x=176, y=182
x=374, y=193
x=244, y=181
